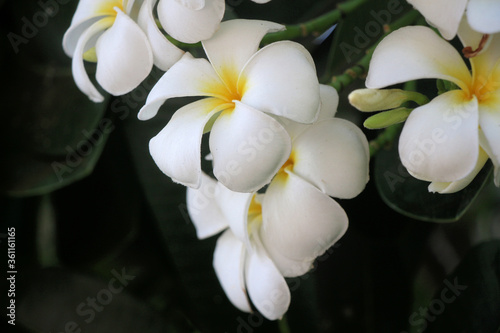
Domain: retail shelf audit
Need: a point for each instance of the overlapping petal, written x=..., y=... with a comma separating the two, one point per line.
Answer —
x=281, y=79
x=79, y=74
x=164, y=52
x=489, y=120
x=443, y=14
x=176, y=150
x=412, y=53
x=203, y=208
x=329, y=100
x=189, y=23
x=242, y=37
x=333, y=155
x=86, y=14
x=234, y=207
x=439, y=141
x=248, y=148
x=229, y=265
x=124, y=55
x=188, y=77
x=457, y=185
x=299, y=222
x=266, y=286
x=483, y=15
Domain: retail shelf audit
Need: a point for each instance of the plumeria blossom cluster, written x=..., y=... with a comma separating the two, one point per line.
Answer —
x=278, y=232
x=448, y=140
x=278, y=153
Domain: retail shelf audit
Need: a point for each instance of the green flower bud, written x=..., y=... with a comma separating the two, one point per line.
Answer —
x=369, y=100
x=387, y=118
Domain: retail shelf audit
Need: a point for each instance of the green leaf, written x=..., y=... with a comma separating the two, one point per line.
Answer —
x=409, y=196
x=58, y=300
x=52, y=133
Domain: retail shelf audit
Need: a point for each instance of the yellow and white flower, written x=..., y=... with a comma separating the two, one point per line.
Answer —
x=448, y=140
x=447, y=14
x=281, y=232
x=109, y=32
x=246, y=91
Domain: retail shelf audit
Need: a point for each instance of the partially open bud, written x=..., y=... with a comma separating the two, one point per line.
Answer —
x=369, y=100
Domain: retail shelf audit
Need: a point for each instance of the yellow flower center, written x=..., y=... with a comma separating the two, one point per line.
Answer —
x=108, y=7
x=230, y=91
x=485, y=80
x=288, y=165
x=254, y=214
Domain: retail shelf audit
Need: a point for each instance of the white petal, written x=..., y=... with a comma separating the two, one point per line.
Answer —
x=483, y=64
x=483, y=15
x=489, y=120
x=203, y=208
x=443, y=14
x=86, y=14
x=261, y=1
x=439, y=141
x=458, y=185
x=467, y=35
x=248, y=148
x=334, y=156
x=192, y=4
x=189, y=25
x=188, y=77
x=329, y=102
x=177, y=148
x=164, y=52
x=329, y=99
x=281, y=79
x=124, y=56
x=229, y=261
x=234, y=206
x=266, y=286
x=299, y=223
x=234, y=44
x=79, y=74
x=412, y=53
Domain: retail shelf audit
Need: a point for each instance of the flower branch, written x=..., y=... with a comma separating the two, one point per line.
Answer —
x=359, y=70
x=317, y=25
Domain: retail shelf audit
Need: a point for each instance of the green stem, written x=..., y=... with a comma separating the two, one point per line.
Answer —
x=391, y=132
x=283, y=325
x=360, y=69
x=317, y=25
x=384, y=138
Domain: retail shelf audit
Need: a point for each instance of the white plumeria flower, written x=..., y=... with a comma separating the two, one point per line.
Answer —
x=329, y=158
x=280, y=233
x=241, y=262
x=448, y=140
x=109, y=32
x=246, y=88
x=447, y=14
x=191, y=21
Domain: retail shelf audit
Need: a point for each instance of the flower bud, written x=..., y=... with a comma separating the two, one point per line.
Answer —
x=369, y=100
x=387, y=118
